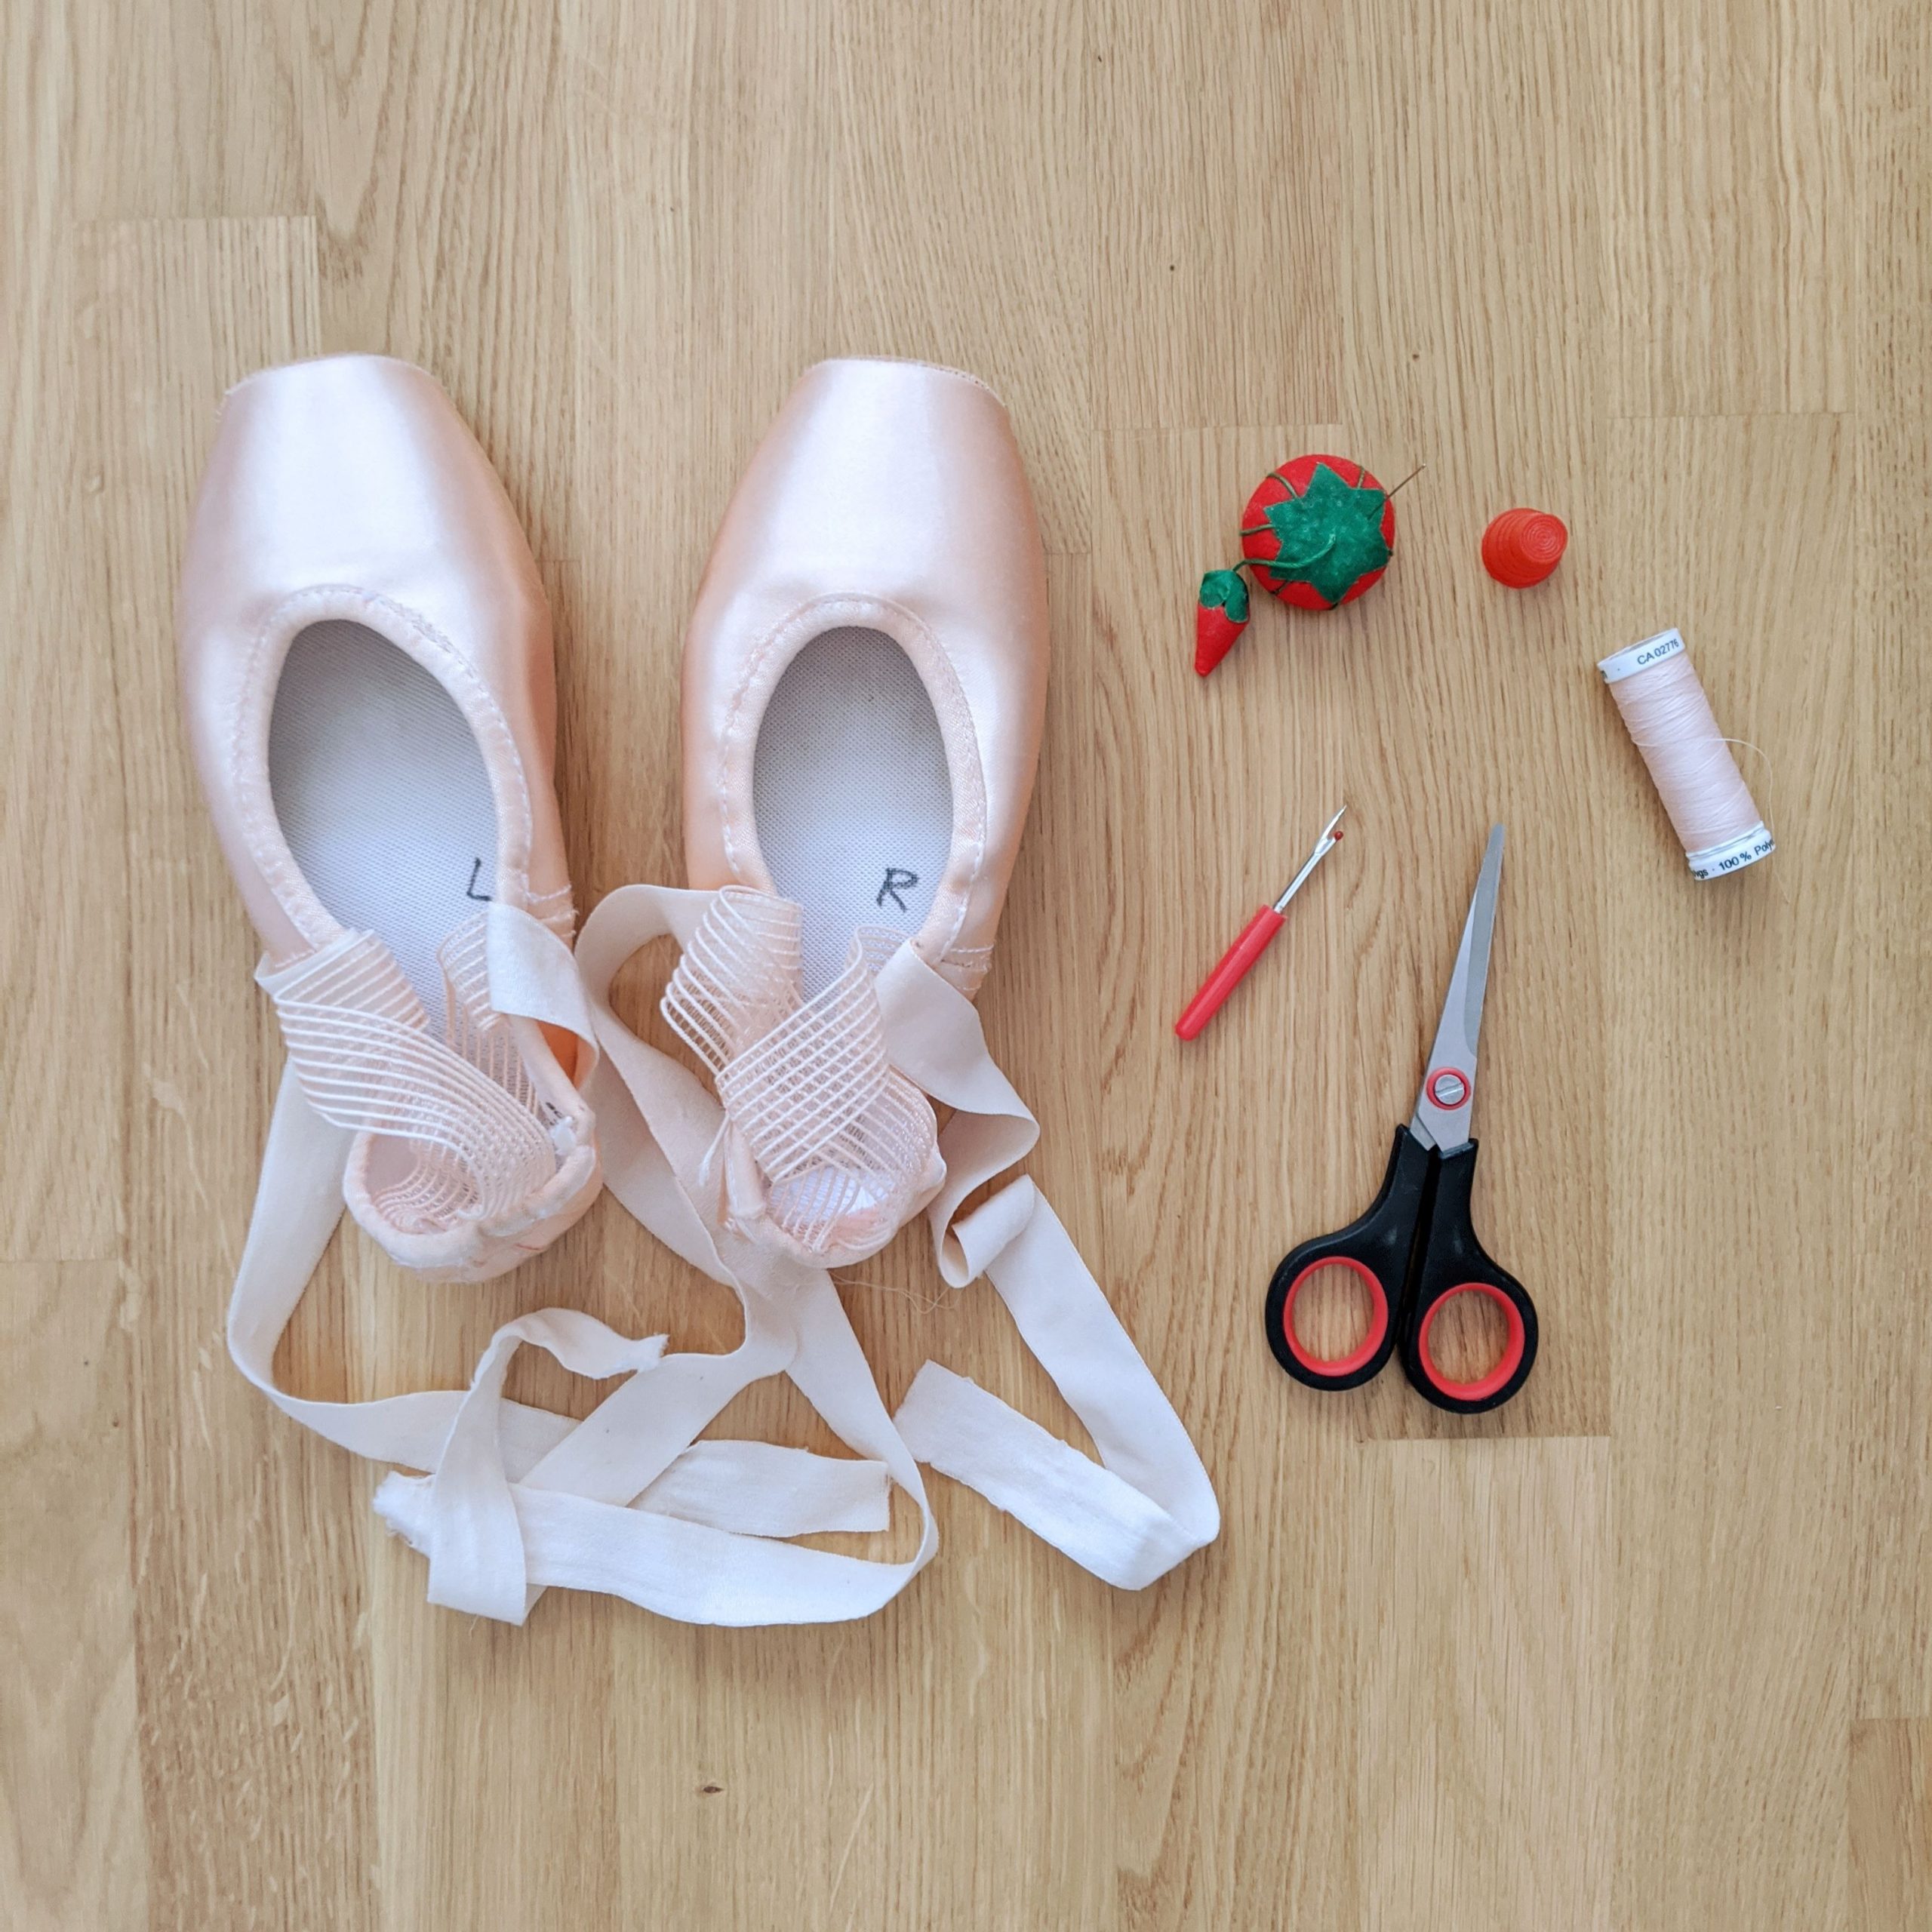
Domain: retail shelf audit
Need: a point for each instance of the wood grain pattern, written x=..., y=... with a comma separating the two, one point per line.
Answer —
x=1483, y=1777
x=72, y=1849
x=1650, y=1649
x=1891, y=1825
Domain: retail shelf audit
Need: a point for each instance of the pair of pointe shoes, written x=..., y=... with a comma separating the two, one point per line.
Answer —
x=367, y=684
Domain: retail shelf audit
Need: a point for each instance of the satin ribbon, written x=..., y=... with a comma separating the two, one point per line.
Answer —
x=629, y=1502
x=1149, y=1503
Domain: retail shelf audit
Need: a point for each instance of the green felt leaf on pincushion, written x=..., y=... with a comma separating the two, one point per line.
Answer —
x=1329, y=536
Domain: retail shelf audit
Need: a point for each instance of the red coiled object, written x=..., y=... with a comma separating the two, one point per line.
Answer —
x=1522, y=547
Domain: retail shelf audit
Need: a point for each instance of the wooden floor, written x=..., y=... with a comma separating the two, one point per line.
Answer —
x=1652, y=1647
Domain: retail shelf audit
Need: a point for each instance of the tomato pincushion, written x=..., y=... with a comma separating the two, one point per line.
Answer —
x=1316, y=532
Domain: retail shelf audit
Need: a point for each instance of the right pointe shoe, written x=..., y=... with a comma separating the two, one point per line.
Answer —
x=863, y=685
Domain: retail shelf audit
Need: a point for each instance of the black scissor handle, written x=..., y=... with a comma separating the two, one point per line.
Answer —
x=1377, y=1249
x=1452, y=1263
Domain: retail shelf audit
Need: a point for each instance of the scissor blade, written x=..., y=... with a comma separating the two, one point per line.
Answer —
x=1447, y=1098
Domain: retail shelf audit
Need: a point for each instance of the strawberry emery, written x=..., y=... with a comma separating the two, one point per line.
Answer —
x=1221, y=616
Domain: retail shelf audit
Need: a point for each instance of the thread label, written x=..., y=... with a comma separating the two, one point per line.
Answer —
x=1627, y=663
x=1716, y=861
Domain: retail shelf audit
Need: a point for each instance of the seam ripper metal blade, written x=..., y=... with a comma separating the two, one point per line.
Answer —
x=1256, y=938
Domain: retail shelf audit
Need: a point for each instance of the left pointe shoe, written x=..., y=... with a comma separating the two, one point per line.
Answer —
x=366, y=679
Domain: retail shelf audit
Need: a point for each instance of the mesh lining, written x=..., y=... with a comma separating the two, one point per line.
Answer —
x=478, y=1135
x=852, y=796
x=843, y=1141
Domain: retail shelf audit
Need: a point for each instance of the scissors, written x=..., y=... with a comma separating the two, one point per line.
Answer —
x=1415, y=1248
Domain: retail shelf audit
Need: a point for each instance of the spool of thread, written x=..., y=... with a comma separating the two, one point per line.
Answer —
x=1522, y=547
x=1671, y=722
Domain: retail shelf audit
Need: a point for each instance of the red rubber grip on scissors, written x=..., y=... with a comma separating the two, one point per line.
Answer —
x=1256, y=936
x=1515, y=1340
x=1321, y=1366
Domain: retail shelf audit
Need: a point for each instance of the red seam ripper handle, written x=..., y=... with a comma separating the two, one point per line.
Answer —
x=1256, y=938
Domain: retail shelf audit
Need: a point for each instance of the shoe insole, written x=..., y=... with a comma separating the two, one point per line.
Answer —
x=381, y=794
x=852, y=796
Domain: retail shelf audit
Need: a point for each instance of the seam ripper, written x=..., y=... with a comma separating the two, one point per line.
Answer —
x=1256, y=938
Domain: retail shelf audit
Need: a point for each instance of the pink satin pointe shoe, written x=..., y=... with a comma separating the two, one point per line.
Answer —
x=366, y=676
x=864, y=680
